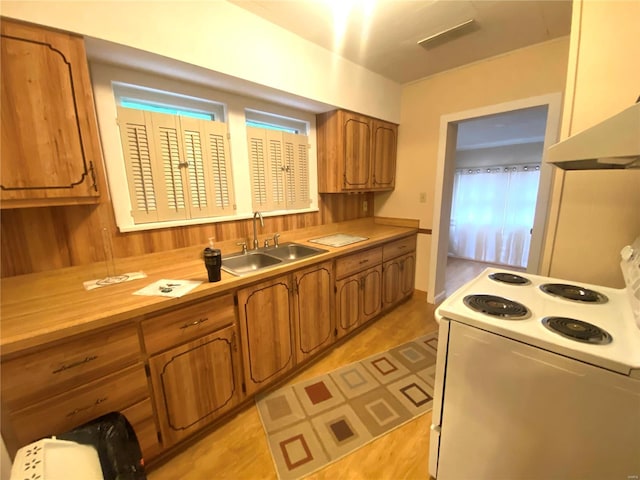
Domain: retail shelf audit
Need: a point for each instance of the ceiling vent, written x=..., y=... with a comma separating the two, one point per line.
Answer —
x=448, y=34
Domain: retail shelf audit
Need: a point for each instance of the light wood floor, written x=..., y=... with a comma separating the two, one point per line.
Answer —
x=461, y=270
x=238, y=449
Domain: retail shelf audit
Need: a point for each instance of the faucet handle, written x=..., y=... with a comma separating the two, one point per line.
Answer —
x=243, y=245
x=266, y=243
x=275, y=239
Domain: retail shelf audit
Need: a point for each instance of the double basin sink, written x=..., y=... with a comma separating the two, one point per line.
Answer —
x=254, y=260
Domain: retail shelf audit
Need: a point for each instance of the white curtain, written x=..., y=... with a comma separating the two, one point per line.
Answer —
x=492, y=213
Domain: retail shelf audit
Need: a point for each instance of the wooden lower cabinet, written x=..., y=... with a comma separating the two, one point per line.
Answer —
x=61, y=413
x=141, y=417
x=313, y=302
x=398, y=279
x=195, y=383
x=266, y=322
x=358, y=299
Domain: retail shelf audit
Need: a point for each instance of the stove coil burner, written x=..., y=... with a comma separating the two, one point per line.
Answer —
x=510, y=278
x=497, y=307
x=577, y=330
x=573, y=292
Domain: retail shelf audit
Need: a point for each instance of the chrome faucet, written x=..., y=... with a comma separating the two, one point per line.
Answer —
x=255, y=230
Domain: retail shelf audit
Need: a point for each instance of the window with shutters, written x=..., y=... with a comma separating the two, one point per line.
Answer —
x=279, y=162
x=168, y=147
x=178, y=167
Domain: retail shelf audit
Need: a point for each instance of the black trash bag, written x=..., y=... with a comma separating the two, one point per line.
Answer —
x=116, y=443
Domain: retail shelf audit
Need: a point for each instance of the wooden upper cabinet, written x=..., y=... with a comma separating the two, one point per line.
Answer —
x=355, y=152
x=385, y=137
x=50, y=146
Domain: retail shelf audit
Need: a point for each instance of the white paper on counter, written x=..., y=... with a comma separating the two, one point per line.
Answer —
x=168, y=288
x=116, y=279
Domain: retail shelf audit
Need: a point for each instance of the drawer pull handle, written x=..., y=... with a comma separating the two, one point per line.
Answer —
x=402, y=247
x=193, y=324
x=82, y=409
x=84, y=361
x=362, y=262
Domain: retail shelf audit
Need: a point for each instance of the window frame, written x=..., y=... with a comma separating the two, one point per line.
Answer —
x=103, y=75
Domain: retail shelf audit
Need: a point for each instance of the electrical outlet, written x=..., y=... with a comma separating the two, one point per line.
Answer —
x=423, y=197
x=365, y=205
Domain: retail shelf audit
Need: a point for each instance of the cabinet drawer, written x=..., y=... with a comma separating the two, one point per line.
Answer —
x=182, y=325
x=66, y=365
x=358, y=261
x=398, y=247
x=66, y=411
x=140, y=417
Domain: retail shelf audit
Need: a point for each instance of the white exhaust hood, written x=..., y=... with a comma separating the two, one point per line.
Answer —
x=613, y=143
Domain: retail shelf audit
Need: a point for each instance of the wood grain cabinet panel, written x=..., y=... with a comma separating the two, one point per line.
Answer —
x=50, y=146
x=266, y=326
x=357, y=262
x=399, y=247
x=61, y=413
x=356, y=153
x=385, y=139
x=195, y=383
x=358, y=299
x=398, y=270
x=141, y=418
x=313, y=302
x=66, y=365
x=187, y=323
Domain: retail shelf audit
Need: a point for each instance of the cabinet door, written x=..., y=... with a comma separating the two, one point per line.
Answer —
x=313, y=305
x=265, y=321
x=50, y=149
x=384, y=154
x=390, y=282
x=195, y=383
x=348, y=304
x=357, y=152
x=371, y=285
x=407, y=275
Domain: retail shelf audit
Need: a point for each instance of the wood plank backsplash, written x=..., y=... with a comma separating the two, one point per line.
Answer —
x=41, y=239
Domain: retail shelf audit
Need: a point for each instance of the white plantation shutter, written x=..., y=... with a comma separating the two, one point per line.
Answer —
x=258, y=163
x=171, y=188
x=219, y=166
x=276, y=169
x=134, y=134
x=297, y=170
x=279, y=164
x=178, y=167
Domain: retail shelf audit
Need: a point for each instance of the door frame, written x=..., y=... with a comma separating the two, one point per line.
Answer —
x=445, y=170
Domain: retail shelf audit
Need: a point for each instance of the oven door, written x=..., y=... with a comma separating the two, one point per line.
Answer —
x=515, y=411
x=438, y=394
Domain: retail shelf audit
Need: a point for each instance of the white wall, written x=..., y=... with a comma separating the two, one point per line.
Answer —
x=536, y=70
x=221, y=37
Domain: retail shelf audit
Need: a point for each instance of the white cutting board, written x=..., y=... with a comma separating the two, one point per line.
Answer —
x=338, y=240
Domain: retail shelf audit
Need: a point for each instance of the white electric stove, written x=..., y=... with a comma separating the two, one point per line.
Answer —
x=538, y=378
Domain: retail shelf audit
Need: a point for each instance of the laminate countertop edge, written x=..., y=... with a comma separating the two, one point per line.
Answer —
x=40, y=308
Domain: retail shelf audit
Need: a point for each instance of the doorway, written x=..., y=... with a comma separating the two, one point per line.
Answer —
x=450, y=126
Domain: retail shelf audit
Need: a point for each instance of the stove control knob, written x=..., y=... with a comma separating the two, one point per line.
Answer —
x=626, y=253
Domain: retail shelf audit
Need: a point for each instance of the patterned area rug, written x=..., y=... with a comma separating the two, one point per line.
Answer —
x=314, y=423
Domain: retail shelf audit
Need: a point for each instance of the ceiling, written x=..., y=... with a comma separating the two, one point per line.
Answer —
x=527, y=125
x=383, y=37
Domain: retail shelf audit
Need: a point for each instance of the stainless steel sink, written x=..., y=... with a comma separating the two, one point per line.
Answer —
x=244, y=263
x=294, y=251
